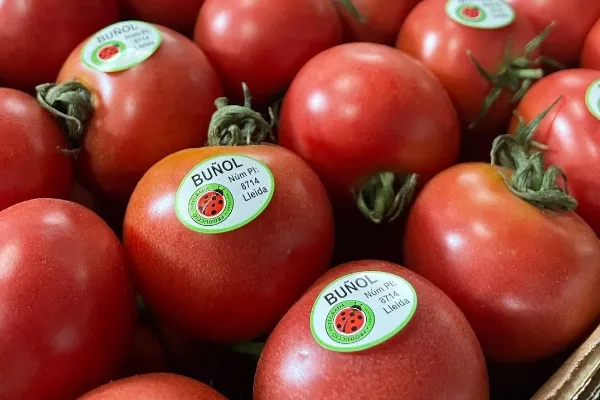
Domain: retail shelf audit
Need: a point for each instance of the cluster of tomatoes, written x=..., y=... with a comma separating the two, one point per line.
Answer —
x=179, y=180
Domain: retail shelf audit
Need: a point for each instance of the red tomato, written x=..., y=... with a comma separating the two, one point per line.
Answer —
x=67, y=302
x=341, y=115
x=264, y=43
x=590, y=55
x=179, y=15
x=237, y=284
x=429, y=35
x=383, y=19
x=141, y=115
x=526, y=279
x=158, y=386
x=574, y=19
x=435, y=356
x=38, y=35
x=571, y=132
x=31, y=163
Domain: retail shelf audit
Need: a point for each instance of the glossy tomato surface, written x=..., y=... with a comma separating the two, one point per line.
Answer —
x=156, y=386
x=264, y=43
x=571, y=132
x=573, y=18
x=590, y=55
x=142, y=115
x=383, y=19
x=38, y=35
x=429, y=35
x=31, y=163
x=179, y=15
x=526, y=279
x=234, y=285
x=359, y=108
x=66, y=300
x=435, y=356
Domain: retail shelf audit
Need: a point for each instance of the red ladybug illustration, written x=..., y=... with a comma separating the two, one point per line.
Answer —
x=211, y=204
x=471, y=12
x=109, y=52
x=350, y=320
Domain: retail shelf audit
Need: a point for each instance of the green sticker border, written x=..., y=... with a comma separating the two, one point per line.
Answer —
x=594, y=111
x=233, y=227
x=452, y=13
x=353, y=349
x=94, y=67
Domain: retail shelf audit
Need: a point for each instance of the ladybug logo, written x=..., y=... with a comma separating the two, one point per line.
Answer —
x=211, y=204
x=350, y=322
x=471, y=13
x=108, y=52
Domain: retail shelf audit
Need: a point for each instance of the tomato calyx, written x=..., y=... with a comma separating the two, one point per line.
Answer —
x=514, y=75
x=234, y=125
x=385, y=195
x=353, y=10
x=524, y=132
x=71, y=102
x=529, y=180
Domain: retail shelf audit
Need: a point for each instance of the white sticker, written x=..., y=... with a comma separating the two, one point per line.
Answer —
x=481, y=14
x=592, y=98
x=224, y=193
x=361, y=310
x=121, y=46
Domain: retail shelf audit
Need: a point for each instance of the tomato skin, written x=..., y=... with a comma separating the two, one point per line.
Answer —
x=571, y=132
x=242, y=292
x=155, y=386
x=430, y=36
x=436, y=356
x=122, y=141
x=68, y=299
x=590, y=55
x=573, y=18
x=31, y=163
x=37, y=36
x=526, y=279
x=178, y=15
x=383, y=20
x=247, y=44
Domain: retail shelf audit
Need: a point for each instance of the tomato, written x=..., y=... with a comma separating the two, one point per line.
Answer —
x=38, y=35
x=67, y=301
x=571, y=130
x=382, y=20
x=526, y=279
x=341, y=115
x=156, y=386
x=441, y=43
x=232, y=277
x=264, y=43
x=140, y=115
x=179, y=15
x=31, y=162
x=574, y=19
x=590, y=55
x=434, y=355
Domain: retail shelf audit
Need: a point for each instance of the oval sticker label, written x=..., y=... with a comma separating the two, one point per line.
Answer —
x=121, y=46
x=361, y=310
x=224, y=193
x=592, y=98
x=481, y=14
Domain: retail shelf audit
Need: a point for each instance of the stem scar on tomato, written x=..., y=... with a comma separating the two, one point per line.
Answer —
x=515, y=74
x=233, y=125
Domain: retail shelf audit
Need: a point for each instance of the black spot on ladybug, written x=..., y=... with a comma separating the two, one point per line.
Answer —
x=214, y=198
x=343, y=318
x=359, y=317
x=220, y=201
x=354, y=329
x=351, y=321
x=213, y=212
x=343, y=312
x=352, y=314
x=339, y=326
